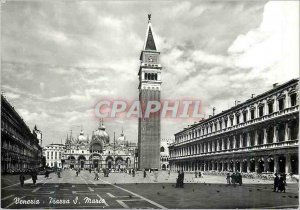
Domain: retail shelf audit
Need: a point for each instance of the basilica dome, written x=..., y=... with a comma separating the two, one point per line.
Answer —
x=122, y=140
x=99, y=139
x=82, y=139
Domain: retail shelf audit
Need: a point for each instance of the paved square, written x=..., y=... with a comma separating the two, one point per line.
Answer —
x=125, y=191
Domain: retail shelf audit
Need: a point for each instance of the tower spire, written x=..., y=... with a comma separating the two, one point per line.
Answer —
x=149, y=40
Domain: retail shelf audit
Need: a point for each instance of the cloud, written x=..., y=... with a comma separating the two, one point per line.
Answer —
x=60, y=58
x=274, y=45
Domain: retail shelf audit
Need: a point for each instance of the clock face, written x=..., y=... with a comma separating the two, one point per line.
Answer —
x=150, y=59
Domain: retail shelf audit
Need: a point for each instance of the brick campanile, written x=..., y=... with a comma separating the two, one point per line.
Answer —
x=149, y=90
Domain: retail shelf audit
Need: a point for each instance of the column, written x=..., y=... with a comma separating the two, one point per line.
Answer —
x=266, y=164
x=213, y=146
x=276, y=166
x=241, y=141
x=228, y=143
x=234, y=142
x=287, y=104
x=286, y=134
x=218, y=167
x=218, y=144
x=223, y=144
x=287, y=163
x=256, y=164
x=265, y=136
x=234, y=166
x=255, y=137
x=275, y=136
x=248, y=139
x=248, y=165
x=223, y=166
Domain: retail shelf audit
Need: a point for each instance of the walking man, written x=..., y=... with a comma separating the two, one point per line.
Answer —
x=228, y=178
x=22, y=179
x=276, y=182
x=96, y=175
x=181, y=179
x=34, y=177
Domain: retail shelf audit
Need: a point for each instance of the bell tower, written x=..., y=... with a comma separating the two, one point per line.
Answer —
x=149, y=90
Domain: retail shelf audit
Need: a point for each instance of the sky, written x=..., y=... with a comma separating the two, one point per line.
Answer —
x=60, y=58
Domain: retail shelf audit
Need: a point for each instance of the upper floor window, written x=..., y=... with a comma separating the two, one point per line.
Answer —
x=261, y=111
x=293, y=99
x=252, y=114
x=281, y=104
x=231, y=121
x=220, y=125
x=244, y=116
x=237, y=119
x=226, y=123
x=270, y=107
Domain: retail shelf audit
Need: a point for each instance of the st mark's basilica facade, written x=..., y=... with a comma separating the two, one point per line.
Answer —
x=99, y=151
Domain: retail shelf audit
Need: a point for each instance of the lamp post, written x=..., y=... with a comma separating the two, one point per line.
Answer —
x=114, y=150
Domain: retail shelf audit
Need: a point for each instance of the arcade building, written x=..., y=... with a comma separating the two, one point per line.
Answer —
x=257, y=136
x=20, y=147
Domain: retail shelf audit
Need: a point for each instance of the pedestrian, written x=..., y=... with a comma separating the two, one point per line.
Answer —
x=77, y=172
x=196, y=174
x=133, y=173
x=22, y=179
x=145, y=174
x=200, y=174
x=155, y=176
x=96, y=175
x=281, y=183
x=228, y=178
x=276, y=182
x=90, y=170
x=169, y=172
x=34, y=177
x=233, y=179
x=178, y=180
x=240, y=181
x=58, y=173
x=47, y=174
x=181, y=179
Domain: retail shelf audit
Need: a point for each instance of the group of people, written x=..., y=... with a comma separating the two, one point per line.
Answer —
x=180, y=179
x=198, y=174
x=234, y=178
x=279, y=183
x=33, y=174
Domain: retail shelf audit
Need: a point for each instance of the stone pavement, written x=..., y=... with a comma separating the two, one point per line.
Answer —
x=124, y=191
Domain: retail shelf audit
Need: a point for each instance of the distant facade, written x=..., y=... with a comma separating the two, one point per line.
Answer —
x=260, y=136
x=54, y=154
x=20, y=149
x=164, y=153
x=149, y=90
x=99, y=151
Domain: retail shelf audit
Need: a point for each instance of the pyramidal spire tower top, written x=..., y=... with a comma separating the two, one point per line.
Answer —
x=149, y=40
